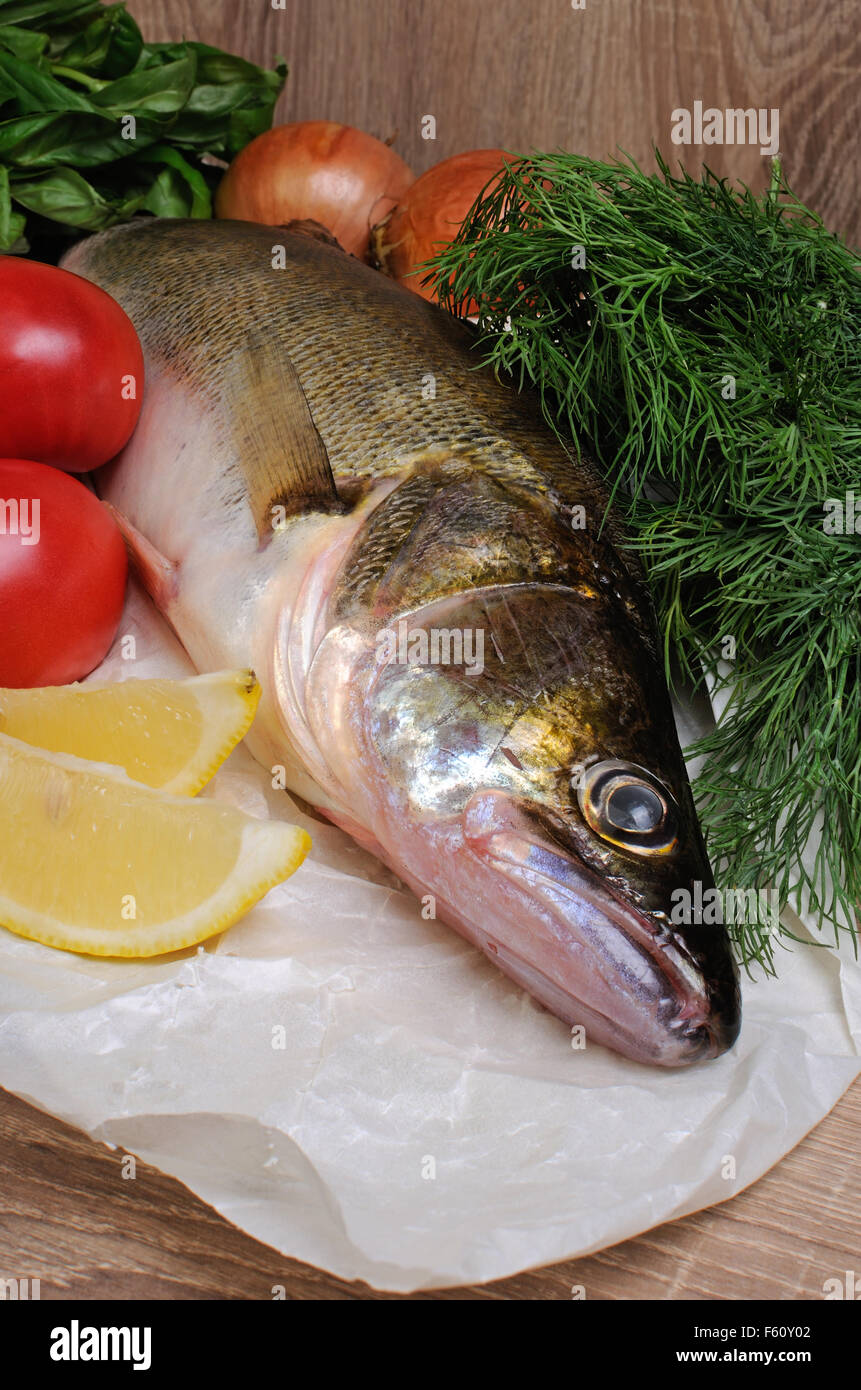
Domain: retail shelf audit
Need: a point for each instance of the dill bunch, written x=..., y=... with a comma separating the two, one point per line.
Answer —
x=707, y=343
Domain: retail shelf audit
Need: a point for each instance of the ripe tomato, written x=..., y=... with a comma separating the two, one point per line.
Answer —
x=71, y=368
x=62, y=576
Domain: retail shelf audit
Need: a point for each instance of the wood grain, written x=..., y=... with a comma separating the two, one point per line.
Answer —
x=517, y=76
x=541, y=75
x=70, y=1219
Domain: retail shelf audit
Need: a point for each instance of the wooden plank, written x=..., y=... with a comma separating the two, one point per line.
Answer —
x=516, y=76
x=542, y=75
x=70, y=1218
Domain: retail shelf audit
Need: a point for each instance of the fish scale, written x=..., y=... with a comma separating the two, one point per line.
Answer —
x=458, y=660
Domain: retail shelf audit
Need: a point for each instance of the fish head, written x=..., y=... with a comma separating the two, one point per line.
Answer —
x=516, y=757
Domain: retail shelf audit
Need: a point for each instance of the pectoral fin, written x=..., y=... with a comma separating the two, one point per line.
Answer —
x=158, y=575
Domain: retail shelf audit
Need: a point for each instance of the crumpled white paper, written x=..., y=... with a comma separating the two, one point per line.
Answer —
x=364, y=1091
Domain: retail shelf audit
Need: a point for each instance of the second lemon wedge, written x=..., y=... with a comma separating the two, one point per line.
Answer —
x=93, y=862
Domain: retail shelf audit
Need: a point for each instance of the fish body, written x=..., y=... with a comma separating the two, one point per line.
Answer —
x=459, y=667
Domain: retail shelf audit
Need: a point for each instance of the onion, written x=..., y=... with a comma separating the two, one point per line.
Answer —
x=430, y=215
x=317, y=170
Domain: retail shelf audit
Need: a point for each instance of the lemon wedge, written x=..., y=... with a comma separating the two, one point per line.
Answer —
x=168, y=734
x=93, y=862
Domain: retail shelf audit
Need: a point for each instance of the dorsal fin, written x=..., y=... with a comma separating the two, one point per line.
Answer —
x=280, y=450
x=306, y=226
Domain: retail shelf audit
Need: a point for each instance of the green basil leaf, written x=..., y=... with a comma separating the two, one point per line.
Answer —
x=54, y=13
x=63, y=195
x=216, y=69
x=109, y=46
x=246, y=125
x=198, y=199
x=33, y=91
x=157, y=54
x=169, y=195
x=23, y=44
x=219, y=68
x=223, y=119
x=216, y=103
x=74, y=137
x=210, y=131
x=153, y=91
x=11, y=223
x=73, y=74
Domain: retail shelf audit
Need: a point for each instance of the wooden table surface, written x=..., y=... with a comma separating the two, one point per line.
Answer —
x=593, y=78
x=69, y=1218
x=539, y=74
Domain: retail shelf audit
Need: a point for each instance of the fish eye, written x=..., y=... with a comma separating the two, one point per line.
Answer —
x=634, y=806
x=629, y=807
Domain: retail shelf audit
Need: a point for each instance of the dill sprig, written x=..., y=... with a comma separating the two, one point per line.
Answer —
x=706, y=342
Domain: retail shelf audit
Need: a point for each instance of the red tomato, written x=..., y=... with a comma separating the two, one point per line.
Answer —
x=71, y=368
x=62, y=576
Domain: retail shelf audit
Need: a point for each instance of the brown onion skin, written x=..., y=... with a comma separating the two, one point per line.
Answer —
x=319, y=170
x=430, y=215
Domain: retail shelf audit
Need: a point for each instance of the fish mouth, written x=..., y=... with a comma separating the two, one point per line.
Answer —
x=590, y=956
